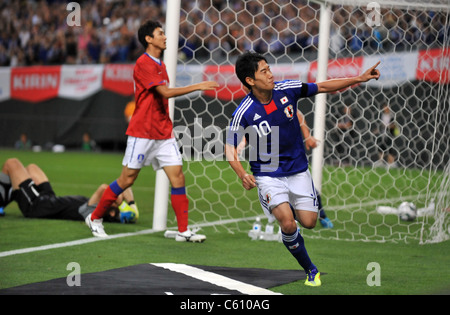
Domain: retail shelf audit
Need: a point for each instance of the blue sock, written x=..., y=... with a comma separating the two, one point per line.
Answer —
x=296, y=246
x=115, y=188
x=178, y=191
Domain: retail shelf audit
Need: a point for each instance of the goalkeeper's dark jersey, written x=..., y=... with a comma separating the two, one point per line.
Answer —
x=40, y=201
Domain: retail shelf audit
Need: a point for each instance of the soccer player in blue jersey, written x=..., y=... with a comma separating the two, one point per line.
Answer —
x=267, y=119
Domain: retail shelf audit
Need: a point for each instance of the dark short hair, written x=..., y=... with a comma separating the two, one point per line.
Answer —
x=147, y=29
x=247, y=65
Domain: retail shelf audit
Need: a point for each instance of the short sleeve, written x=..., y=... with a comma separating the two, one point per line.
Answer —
x=150, y=75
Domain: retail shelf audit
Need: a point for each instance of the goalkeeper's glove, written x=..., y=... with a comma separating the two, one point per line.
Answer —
x=128, y=213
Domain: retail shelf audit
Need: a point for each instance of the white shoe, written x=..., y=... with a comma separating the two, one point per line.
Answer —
x=189, y=236
x=170, y=234
x=96, y=226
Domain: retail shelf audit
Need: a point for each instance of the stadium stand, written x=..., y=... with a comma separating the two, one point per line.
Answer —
x=36, y=32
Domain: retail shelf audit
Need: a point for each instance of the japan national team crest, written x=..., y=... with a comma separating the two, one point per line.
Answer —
x=289, y=111
x=268, y=198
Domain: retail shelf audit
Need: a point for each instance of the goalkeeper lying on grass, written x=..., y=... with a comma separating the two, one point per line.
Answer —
x=30, y=188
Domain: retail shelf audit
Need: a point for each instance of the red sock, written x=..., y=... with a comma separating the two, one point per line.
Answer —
x=105, y=202
x=180, y=205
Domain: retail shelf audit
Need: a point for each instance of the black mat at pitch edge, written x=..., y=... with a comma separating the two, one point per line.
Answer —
x=147, y=279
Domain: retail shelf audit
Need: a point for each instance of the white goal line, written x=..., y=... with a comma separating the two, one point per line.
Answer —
x=206, y=224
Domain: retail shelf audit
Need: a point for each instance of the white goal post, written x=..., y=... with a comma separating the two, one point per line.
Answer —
x=313, y=40
x=161, y=199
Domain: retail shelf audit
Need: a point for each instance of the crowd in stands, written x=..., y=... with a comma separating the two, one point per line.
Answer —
x=36, y=32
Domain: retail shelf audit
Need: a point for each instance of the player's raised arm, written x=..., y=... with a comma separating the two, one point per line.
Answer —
x=168, y=92
x=334, y=85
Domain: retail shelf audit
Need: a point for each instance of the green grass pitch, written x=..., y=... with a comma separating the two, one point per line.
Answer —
x=405, y=268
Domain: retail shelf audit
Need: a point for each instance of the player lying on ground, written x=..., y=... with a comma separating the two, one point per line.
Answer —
x=267, y=118
x=30, y=188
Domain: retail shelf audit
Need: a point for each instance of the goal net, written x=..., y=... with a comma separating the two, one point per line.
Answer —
x=381, y=143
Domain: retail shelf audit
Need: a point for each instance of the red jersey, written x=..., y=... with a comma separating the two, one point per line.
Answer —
x=151, y=118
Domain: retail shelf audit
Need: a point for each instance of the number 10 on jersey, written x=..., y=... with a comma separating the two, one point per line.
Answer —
x=263, y=129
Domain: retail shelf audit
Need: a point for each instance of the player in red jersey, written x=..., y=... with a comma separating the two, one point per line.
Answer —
x=150, y=133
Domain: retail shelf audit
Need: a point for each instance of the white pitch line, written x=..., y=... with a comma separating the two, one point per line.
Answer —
x=113, y=236
x=72, y=243
x=150, y=231
x=216, y=279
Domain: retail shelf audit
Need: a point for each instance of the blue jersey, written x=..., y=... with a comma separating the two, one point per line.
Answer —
x=272, y=130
